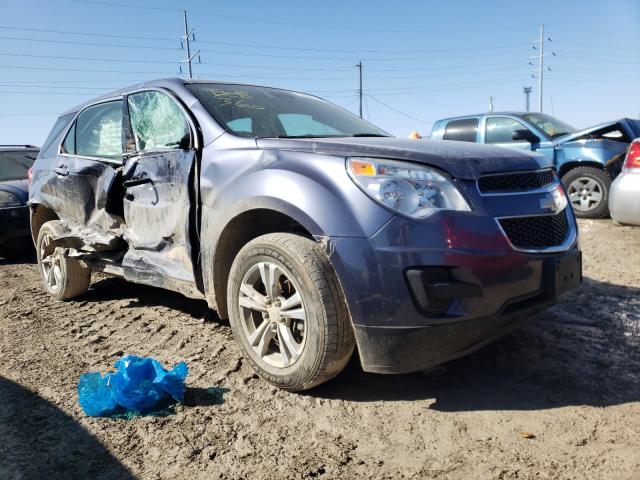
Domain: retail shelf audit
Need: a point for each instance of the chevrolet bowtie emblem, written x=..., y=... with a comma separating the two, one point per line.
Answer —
x=554, y=201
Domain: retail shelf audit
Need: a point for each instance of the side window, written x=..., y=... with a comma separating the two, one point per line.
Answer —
x=300, y=124
x=69, y=144
x=157, y=122
x=98, y=131
x=500, y=130
x=57, y=129
x=463, y=130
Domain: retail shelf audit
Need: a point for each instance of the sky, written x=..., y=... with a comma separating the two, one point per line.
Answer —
x=422, y=60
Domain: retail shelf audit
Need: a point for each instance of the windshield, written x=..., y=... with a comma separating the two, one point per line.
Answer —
x=14, y=165
x=262, y=112
x=548, y=124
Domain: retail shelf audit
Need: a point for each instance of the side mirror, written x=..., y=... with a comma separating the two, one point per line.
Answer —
x=185, y=142
x=525, y=134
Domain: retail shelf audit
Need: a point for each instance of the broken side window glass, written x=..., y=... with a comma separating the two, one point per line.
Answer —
x=99, y=131
x=157, y=122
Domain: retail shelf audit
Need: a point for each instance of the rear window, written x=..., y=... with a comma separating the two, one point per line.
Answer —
x=463, y=130
x=14, y=165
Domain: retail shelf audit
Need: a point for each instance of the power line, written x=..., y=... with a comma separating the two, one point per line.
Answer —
x=92, y=44
x=260, y=46
x=68, y=32
x=398, y=111
x=81, y=70
x=86, y=59
x=291, y=24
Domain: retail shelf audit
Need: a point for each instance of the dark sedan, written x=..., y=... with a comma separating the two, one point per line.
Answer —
x=15, y=162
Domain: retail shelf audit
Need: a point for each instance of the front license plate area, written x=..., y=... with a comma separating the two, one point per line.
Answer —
x=568, y=272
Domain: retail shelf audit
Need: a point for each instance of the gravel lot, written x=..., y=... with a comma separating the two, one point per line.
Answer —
x=572, y=379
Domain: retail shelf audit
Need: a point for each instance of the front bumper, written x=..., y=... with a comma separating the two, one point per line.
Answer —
x=15, y=231
x=490, y=288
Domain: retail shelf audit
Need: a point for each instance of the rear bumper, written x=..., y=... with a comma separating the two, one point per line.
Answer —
x=15, y=231
x=487, y=289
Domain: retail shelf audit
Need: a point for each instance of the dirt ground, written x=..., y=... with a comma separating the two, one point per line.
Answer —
x=572, y=379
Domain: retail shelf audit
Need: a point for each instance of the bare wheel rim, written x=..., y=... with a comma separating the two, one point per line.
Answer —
x=51, y=266
x=585, y=193
x=273, y=314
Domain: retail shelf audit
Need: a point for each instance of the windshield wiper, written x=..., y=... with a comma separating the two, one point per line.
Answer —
x=309, y=135
x=368, y=135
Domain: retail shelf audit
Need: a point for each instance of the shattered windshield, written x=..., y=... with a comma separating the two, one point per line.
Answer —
x=548, y=124
x=262, y=112
x=14, y=165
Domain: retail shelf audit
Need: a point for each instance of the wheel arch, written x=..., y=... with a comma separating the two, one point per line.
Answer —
x=234, y=233
x=39, y=216
x=565, y=167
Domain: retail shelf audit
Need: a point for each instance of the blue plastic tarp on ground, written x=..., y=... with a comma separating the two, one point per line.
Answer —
x=138, y=385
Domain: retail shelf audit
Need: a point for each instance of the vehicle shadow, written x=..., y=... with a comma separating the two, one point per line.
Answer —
x=140, y=296
x=41, y=441
x=583, y=351
x=16, y=258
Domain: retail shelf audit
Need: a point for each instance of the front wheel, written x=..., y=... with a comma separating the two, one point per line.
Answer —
x=64, y=278
x=287, y=311
x=588, y=191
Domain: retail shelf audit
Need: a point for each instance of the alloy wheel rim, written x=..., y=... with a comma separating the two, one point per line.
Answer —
x=273, y=314
x=585, y=193
x=51, y=267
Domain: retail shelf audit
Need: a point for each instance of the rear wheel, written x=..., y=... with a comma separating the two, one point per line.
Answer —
x=64, y=278
x=287, y=311
x=588, y=191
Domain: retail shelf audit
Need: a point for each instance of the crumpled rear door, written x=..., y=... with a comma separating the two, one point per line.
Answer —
x=80, y=185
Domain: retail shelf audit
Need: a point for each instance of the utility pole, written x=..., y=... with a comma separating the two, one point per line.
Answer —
x=527, y=92
x=540, y=57
x=491, y=104
x=187, y=34
x=359, y=65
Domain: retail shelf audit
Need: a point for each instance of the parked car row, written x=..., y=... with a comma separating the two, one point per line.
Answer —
x=587, y=160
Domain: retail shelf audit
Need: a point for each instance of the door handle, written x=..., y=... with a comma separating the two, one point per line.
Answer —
x=136, y=181
x=61, y=170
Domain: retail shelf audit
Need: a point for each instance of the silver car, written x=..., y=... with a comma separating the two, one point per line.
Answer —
x=624, y=200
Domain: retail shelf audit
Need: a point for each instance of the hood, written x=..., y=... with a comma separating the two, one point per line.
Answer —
x=629, y=126
x=17, y=187
x=460, y=159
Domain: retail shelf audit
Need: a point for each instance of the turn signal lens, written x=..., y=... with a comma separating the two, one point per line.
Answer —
x=633, y=155
x=359, y=168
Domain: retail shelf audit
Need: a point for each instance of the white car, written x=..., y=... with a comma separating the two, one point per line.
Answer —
x=624, y=199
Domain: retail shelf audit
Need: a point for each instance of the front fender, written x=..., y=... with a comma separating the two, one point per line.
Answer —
x=589, y=151
x=313, y=190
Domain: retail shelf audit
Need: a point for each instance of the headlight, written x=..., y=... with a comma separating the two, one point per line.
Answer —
x=8, y=199
x=408, y=188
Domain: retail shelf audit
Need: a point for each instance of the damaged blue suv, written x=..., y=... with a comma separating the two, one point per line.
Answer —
x=311, y=230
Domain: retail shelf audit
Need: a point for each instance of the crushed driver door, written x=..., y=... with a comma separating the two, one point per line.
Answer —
x=159, y=202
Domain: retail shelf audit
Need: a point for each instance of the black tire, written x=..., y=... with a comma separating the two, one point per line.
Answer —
x=603, y=180
x=329, y=340
x=73, y=279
